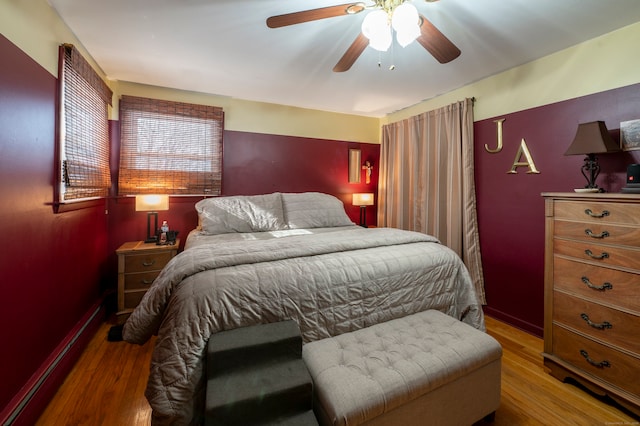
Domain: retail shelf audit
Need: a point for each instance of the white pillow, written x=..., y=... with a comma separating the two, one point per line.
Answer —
x=242, y=213
x=313, y=210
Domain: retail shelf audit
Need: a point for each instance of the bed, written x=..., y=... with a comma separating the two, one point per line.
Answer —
x=266, y=258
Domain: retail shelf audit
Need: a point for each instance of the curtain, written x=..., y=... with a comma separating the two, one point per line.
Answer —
x=426, y=181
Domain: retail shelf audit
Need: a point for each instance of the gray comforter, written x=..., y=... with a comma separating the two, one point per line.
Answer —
x=330, y=283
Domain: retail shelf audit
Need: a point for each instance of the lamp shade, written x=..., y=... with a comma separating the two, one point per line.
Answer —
x=362, y=199
x=152, y=202
x=592, y=138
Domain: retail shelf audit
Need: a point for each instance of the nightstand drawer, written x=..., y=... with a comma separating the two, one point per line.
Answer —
x=133, y=298
x=607, y=286
x=601, y=361
x=139, y=280
x=600, y=322
x=146, y=261
x=594, y=211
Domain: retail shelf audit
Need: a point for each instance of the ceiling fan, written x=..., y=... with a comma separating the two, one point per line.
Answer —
x=436, y=43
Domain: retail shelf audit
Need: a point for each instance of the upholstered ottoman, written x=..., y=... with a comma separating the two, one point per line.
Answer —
x=423, y=369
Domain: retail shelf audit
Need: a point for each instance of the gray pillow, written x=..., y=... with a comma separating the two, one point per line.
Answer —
x=242, y=213
x=313, y=210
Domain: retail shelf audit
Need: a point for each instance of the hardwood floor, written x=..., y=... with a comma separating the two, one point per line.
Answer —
x=106, y=387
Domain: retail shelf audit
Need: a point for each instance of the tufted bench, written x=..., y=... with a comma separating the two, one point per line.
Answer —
x=424, y=369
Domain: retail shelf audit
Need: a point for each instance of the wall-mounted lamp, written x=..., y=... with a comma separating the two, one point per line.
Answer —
x=152, y=204
x=354, y=166
x=591, y=139
x=363, y=200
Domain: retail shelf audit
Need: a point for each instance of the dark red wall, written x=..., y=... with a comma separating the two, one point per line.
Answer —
x=510, y=208
x=51, y=264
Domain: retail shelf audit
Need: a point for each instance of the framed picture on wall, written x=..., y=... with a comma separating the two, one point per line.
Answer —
x=630, y=135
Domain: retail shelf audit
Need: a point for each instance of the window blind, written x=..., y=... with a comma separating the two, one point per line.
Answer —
x=169, y=147
x=84, y=129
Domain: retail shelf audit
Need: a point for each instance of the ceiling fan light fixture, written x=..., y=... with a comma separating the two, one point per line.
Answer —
x=377, y=29
x=406, y=23
x=404, y=16
x=408, y=35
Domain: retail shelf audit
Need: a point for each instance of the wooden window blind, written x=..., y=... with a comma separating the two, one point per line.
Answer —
x=83, y=153
x=169, y=147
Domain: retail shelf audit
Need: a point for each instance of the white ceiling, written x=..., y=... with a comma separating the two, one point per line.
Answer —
x=224, y=47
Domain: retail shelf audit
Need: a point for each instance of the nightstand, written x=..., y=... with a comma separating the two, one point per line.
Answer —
x=138, y=265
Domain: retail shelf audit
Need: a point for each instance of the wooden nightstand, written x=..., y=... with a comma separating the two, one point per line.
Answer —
x=138, y=265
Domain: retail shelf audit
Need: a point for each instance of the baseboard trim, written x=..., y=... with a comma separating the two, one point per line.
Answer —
x=29, y=403
x=513, y=321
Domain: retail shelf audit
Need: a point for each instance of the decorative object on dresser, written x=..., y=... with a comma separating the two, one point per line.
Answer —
x=592, y=292
x=633, y=179
x=591, y=139
x=151, y=204
x=138, y=265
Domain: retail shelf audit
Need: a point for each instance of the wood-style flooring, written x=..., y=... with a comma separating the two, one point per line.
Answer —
x=106, y=387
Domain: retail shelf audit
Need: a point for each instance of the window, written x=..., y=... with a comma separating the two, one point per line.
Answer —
x=169, y=147
x=83, y=151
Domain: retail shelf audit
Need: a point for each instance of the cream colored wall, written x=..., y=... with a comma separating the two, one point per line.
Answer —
x=604, y=63
x=600, y=64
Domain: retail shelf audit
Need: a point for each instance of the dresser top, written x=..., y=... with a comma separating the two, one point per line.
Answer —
x=593, y=196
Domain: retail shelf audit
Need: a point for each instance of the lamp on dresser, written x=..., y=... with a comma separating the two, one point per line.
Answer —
x=591, y=139
x=152, y=204
x=363, y=200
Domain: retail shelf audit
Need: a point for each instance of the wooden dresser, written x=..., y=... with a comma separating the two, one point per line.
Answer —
x=138, y=265
x=592, y=292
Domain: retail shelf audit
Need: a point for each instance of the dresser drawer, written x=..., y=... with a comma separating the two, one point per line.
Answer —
x=141, y=280
x=600, y=322
x=599, y=253
x=595, y=211
x=146, y=261
x=612, y=366
x=606, y=286
x=598, y=232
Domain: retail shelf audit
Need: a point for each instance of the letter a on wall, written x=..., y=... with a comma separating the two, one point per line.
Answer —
x=523, y=150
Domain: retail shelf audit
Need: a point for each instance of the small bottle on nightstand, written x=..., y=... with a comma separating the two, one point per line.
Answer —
x=163, y=234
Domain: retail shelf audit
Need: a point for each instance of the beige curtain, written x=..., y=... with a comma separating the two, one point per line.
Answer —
x=427, y=181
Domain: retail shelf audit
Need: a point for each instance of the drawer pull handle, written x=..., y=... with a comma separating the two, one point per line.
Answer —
x=598, y=215
x=600, y=364
x=600, y=326
x=146, y=281
x=603, y=255
x=148, y=263
x=603, y=287
x=590, y=233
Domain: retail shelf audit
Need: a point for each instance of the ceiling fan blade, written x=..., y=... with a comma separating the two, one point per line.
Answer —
x=352, y=54
x=314, y=14
x=436, y=43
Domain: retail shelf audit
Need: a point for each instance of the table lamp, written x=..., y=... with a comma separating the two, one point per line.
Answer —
x=363, y=200
x=152, y=204
x=591, y=139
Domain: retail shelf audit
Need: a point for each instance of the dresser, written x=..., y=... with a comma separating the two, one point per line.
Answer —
x=592, y=292
x=138, y=265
